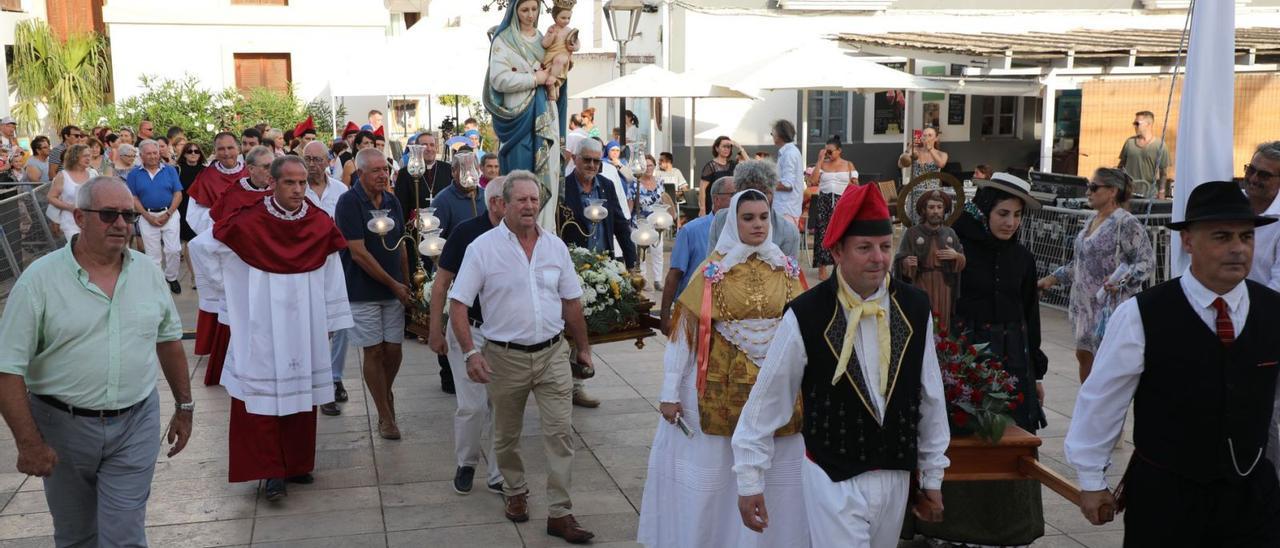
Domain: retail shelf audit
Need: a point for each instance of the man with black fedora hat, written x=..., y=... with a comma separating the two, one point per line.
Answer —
x=1203, y=393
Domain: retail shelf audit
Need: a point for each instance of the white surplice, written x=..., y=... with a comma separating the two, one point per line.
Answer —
x=278, y=361
x=1104, y=397
x=867, y=509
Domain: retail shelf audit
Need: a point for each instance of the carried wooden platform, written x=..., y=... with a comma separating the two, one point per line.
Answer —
x=1014, y=458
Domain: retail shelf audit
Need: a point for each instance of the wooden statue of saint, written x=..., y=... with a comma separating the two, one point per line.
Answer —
x=930, y=255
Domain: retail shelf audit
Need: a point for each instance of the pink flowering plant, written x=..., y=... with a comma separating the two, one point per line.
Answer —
x=981, y=395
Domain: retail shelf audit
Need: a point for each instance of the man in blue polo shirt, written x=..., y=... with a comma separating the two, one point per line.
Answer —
x=377, y=271
x=692, y=242
x=157, y=191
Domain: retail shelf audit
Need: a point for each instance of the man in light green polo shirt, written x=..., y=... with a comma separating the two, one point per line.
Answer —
x=83, y=331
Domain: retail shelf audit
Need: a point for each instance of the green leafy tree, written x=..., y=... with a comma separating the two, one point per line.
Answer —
x=166, y=102
x=67, y=77
x=322, y=112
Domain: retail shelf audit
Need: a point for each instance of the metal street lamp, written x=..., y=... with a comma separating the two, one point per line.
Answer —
x=623, y=17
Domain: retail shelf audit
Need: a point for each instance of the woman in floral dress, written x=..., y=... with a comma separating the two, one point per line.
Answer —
x=645, y=194
x=1113, y=257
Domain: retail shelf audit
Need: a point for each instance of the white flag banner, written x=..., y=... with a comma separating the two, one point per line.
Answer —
x=1206, y=120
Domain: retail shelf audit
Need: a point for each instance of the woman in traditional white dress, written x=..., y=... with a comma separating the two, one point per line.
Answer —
x=723, y=323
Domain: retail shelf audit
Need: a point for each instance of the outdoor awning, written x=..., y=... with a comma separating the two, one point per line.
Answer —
x=990, y=49
x=657, y=82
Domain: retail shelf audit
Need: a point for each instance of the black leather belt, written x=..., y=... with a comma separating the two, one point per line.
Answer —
x=79, y=412
x=527, y=348
x=474, y=322
x=158, y=210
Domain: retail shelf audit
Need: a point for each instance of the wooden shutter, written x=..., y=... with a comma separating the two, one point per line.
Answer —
x=262, y=70
x=11, y=5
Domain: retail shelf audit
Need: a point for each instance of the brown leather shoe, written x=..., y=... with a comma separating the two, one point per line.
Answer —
x=388, y=430
x=581, y=399
x=568, y=529
x=517, y=507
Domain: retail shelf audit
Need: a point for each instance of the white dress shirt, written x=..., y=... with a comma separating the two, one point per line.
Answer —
x=791, y=174
x=773, y=399
x=1104, y=398
x=1266, y=243
x=329, y=201
x=521, y=297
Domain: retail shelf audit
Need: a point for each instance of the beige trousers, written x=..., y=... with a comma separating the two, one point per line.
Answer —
x=546, y=374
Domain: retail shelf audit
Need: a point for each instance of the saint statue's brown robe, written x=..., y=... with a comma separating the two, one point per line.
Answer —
x=936, y=277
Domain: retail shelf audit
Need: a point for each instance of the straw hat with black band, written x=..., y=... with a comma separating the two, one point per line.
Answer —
x=1219, y=201
x=1011, y=185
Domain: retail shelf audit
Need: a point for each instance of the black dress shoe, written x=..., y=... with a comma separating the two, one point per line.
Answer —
x=330, y=409
x=446, y=384
x=276, y=489
x=304, y=479
x=339, y=393
x=495, y=487
x=462, y=480
x=175, y=287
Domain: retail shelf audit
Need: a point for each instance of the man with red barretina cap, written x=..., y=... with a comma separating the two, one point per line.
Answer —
x=275, y=267
x=858, y=349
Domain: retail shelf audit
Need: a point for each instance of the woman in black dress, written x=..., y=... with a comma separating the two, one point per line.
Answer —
x=191, y=162
x=721, y=165
x=998, y=305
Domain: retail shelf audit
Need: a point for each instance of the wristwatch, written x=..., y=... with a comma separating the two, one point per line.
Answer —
x=467, y=357
x=189, y=406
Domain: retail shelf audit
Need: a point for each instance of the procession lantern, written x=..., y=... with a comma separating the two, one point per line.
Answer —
x=432, y=244
x=380, y=223
x=427, y=220
x=660, y=217
x=416, y=166
x=595, y=210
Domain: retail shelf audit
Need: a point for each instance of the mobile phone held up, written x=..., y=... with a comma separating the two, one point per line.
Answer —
x=917, y=137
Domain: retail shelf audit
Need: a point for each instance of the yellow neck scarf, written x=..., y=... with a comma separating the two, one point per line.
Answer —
x=857, y=308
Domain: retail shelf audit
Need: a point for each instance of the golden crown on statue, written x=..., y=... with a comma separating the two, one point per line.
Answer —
x=502, y=4
x=564, y=4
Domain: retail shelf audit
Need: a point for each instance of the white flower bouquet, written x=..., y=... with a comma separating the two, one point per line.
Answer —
x=609, y=301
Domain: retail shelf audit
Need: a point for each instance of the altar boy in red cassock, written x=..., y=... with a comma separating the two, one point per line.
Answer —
x=275, y=266
x=858, y=349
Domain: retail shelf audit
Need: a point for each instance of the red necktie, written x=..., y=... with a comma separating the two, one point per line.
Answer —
x=1226, y=331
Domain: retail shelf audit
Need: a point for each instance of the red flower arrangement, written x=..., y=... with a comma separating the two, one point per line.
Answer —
x=980, y=393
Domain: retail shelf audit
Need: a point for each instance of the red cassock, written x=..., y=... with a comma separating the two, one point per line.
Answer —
x=211, y=336
x=269, y=446
x=264, y=447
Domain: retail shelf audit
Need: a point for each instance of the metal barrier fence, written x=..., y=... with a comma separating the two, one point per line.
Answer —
x=1050, y=234
x=24, y=231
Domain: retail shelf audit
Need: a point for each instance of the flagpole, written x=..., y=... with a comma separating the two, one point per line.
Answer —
x=1207, y=112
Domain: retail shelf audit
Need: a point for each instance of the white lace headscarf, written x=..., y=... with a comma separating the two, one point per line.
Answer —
x=731, y=246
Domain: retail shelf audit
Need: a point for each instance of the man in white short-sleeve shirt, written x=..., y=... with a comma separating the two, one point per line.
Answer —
x=530, y=293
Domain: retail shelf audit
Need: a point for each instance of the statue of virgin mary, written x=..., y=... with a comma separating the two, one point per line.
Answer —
x=529, y=126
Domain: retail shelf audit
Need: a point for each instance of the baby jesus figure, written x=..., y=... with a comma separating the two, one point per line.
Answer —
x=560, y=41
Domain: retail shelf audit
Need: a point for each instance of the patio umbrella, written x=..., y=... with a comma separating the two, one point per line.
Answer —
x=658, y=83
x=822, y=66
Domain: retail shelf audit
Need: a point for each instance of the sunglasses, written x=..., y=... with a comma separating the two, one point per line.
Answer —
x=1250, y=171
x=77, y=136
x=1094, y=187
x=192, y=151
x=108, y=216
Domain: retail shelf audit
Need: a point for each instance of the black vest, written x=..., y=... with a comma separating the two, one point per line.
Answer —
x=1195, y=394
x=841, y=432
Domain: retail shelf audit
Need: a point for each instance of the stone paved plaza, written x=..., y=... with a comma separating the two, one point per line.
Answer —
x=374, y=492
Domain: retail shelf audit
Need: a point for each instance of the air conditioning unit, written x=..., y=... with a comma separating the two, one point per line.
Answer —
x=835, y=5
